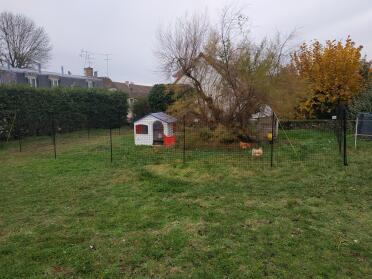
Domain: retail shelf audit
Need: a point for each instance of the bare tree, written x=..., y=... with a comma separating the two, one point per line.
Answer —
x=22, y=43
x=231, y=75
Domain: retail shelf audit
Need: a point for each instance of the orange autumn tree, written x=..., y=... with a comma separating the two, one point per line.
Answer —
x=332, y=72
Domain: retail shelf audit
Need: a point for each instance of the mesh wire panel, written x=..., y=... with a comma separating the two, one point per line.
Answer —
x=263, y=142
x=308, y=142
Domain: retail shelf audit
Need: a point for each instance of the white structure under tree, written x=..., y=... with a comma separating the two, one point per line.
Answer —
x=155, y=129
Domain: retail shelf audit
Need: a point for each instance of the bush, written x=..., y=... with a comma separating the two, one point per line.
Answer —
x=33, y=111
x=205, y=136
x=361, y=103
x=161, y=97
x=223, y=135
x=141, y=108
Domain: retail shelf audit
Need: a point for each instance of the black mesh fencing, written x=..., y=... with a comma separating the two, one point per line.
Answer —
x=308, y=142
x=266, y=141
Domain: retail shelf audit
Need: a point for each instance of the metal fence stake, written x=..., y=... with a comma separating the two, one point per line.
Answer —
x=345, y=140
x=20, y=143
x=19, y=133
x=54, y=137
x=184, y=141
x=272, y=140
x=111, y=143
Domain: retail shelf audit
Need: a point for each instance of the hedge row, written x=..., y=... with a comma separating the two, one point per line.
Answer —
x=27, y=111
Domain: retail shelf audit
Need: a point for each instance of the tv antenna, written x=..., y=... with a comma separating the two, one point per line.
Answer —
x=88, y=57
x=107, y=59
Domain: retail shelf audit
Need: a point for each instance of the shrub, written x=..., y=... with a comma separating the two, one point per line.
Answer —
x=141, y=108
x=223, y=135
x=69, y=109
x=161, y=97
x=205, y=136
x=362, y=102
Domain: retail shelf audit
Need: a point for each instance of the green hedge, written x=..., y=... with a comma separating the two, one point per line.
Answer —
x=30, y=111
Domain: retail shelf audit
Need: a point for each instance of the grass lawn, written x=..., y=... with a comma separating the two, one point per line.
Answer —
x=149, y=215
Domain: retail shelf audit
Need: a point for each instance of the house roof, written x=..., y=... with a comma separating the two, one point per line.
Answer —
x=36, y=72
x=161, y=116
x=133, y=90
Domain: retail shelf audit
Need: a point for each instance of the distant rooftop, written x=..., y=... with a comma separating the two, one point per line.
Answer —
x=133, y=90
x=34, y=71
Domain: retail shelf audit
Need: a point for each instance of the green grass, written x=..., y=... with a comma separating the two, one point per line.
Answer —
x=221, y=214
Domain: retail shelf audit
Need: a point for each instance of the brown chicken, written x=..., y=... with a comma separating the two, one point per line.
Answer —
x=245, y=145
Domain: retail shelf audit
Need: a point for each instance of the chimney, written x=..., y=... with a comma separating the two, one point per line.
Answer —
x=95, y=74
x=88, y=71
x=62, y=71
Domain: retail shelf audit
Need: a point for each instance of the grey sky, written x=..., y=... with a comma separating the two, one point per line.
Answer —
x=127, y=28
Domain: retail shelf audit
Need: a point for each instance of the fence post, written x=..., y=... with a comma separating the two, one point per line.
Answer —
x=20, y=143
x=111, y=144
x=340, y=131
x=54, y=137
x=344, y=132
x=272, y=139
x=19, y=133
x=337, y=127
x=184, y=141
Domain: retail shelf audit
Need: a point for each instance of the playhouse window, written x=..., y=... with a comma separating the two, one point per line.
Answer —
x=142, y=129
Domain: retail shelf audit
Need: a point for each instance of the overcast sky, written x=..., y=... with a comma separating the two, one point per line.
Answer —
x=127, y=28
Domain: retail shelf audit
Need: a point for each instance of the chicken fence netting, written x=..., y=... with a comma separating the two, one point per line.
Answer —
x=264, y=142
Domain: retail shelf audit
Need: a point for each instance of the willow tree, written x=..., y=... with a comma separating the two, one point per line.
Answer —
x=232, y=77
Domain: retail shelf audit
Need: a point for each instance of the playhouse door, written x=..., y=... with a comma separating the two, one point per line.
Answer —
x=158, y=132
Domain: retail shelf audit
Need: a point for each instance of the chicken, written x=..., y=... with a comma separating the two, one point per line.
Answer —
x=257, y=152
x=245, y=145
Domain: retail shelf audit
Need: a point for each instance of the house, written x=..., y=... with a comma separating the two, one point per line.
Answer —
x=134, y=91
x=44, y=79
x=155, y=129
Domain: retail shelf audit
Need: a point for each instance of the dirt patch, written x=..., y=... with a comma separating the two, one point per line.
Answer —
x=255, y=224
x=60, y=270
x=123, y=176
x=188, y=174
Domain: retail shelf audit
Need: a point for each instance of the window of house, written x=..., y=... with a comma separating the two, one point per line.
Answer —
x=90, y=83
x=32, y=81
x=142, y=129
x=54, y=82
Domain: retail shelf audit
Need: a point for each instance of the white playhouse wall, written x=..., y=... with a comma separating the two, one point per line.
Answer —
x=140, y=139
x=148, y=139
